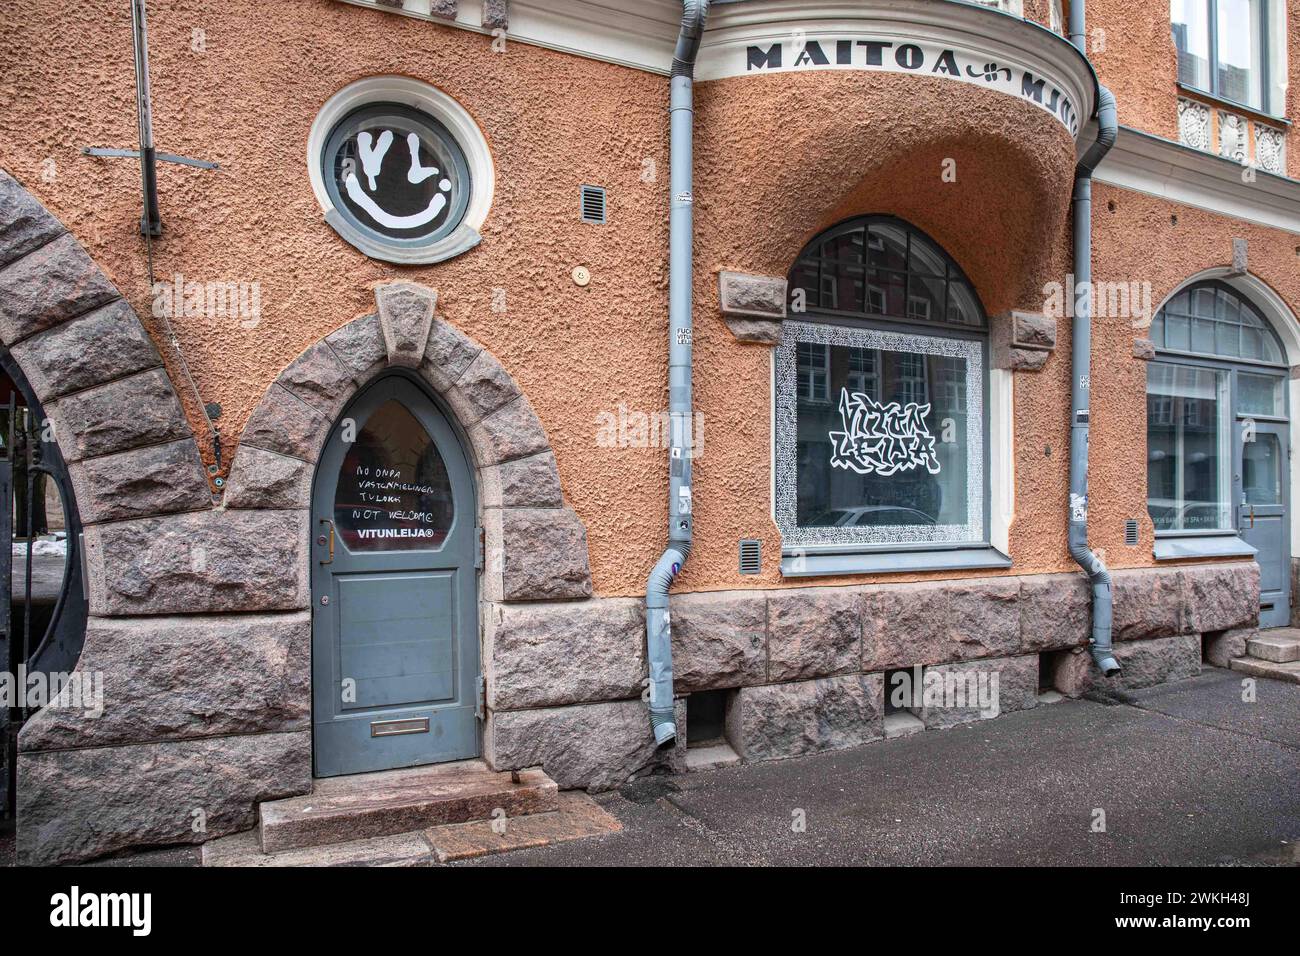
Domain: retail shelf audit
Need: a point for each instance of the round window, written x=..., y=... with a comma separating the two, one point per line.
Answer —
x=397, y=175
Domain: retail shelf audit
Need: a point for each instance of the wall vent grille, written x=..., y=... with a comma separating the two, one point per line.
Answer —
x=593, y=204
x=1131, y=532
x=751, y=556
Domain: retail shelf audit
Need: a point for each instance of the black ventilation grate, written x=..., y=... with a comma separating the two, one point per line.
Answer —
x=1131, y=532
x=593, y=204
x=751, y=556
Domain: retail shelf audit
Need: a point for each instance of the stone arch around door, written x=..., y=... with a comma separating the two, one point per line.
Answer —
x=535, y=547
x=183, y=727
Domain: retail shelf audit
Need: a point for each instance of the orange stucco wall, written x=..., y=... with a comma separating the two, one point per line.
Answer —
x=1142, y=238
x=778, y=158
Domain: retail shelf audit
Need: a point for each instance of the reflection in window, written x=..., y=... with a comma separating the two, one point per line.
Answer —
x=880, y=406
x=393, y=491
x=1188, y=444
x=883, y=268
x=1226, y=61
x=896, y=454
x=814, y=372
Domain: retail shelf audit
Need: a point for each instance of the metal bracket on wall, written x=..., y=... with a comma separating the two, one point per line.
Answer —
x=135, y=154
x=480, y=698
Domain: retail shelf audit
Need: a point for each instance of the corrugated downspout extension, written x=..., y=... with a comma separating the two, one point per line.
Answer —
x=1098, y=576
x=658, y=621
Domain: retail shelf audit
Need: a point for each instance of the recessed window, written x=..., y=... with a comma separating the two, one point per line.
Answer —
x=881, y=395
x=400, y=170
x=1220, y=372
x=1224, y=49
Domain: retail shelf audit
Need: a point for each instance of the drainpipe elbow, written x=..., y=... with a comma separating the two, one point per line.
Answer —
x=1107, y=133
x=659, y=654
x=1100, y=644
x=689, y=36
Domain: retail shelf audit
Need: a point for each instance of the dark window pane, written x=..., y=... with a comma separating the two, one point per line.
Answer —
x=886, y=293
x=962, y=306
x=926, y=299
x=397, y=173
x=846, y=247
x=842, y=286
x=1272, y=351
x=804, y=276
x=887, y=246
x=393, y=492
x=890, y=449
x=926, y=259
x=1228, y=307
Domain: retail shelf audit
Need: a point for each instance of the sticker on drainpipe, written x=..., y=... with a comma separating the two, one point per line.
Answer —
x=684, y=500
x=1078, y=508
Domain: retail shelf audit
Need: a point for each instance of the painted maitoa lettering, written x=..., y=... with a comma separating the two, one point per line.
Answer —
x=882, y=439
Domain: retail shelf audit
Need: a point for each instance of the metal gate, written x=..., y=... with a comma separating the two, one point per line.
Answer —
x=42, y=596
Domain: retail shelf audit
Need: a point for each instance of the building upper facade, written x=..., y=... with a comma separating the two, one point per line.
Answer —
x=329, y=122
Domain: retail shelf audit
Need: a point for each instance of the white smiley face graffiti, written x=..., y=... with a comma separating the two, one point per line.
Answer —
x=372, y=153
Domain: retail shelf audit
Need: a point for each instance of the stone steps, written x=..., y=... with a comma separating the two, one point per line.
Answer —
x=1279, y=646
x=575, y=816
x=367, y=806
x=1289, y=671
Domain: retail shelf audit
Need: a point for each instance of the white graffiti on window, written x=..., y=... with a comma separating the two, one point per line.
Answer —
x=372, y=154
x=882, y=439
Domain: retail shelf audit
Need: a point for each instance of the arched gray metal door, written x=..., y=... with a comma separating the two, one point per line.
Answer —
x=394, y=591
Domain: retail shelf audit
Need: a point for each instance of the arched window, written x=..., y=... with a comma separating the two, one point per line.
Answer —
x=1213, y=319
x=1217, y=435
x=881, y=390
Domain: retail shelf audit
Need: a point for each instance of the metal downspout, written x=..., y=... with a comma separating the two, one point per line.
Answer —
x=659, y=652
x=1081, y=355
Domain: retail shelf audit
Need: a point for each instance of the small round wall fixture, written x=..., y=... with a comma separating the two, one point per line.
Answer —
x=401, y=170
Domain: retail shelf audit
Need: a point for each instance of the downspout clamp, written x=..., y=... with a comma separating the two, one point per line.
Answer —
x=1081, y=354
x=658, y=623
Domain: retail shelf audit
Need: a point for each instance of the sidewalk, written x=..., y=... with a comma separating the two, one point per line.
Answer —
x=1186, y=773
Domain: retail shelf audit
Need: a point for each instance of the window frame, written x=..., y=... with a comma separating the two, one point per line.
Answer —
x=455, y=119
x=1175, y=544
x=815, y=551
x=1265, y=68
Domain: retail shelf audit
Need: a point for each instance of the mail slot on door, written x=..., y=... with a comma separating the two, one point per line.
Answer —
x=394, y=728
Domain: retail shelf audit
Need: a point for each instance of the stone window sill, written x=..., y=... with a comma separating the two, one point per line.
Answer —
x=801, y=564
x=1175, y=547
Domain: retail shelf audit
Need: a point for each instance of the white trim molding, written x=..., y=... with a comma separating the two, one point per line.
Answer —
x=1159, y=167
x=1002, y=457
x=634, y=33
x=427, y=99
x=641, y=34
x=963, y=42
